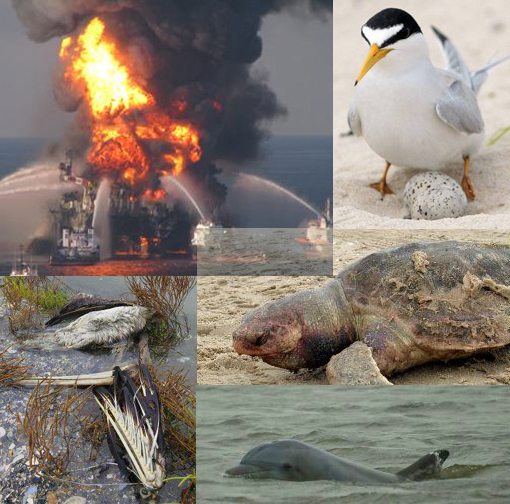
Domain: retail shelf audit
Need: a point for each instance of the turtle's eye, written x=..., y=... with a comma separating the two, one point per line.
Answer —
x=262, y=338
x=287, y=466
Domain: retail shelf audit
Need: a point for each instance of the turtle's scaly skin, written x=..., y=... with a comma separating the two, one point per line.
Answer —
x=302, y=330
x=410, y=313
x=413, y=304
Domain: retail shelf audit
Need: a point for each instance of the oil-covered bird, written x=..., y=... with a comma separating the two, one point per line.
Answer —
x=135, y=428
x=98, y=322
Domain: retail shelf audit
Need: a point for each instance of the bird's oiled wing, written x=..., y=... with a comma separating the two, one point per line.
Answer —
x=353, y=120
x=459, y=109
x=70, y=312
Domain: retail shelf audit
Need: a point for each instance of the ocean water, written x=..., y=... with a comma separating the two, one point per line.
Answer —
x=302, y=164
x=261, y=251
x=19, y=152
x=299, y=164
x=387, y=428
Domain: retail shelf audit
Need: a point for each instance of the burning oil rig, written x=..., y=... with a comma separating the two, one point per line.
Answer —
x=147, y=228
x=92, y=223
x=158, y=89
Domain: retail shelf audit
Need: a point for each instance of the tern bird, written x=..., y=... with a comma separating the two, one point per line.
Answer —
x=412, y=114
x=98, y=322
x=135, y=427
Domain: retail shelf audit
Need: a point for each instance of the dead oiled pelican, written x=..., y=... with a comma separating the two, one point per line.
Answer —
x=104, y=327
x=135, y=428
x=82, y=304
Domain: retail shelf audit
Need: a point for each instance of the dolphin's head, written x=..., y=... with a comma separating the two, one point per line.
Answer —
x=286, y=459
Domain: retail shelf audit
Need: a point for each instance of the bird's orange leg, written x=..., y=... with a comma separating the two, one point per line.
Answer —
x=381, y=186
x=467, y=185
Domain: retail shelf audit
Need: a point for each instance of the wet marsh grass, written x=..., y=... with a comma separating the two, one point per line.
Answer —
x=189, y=482
x=178, y=405
x=48, y=425
x=164, y=296
x=30, y=299
x=12, y=369
x=54, y=419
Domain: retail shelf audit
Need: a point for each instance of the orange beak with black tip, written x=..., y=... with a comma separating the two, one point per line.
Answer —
x=374, y=55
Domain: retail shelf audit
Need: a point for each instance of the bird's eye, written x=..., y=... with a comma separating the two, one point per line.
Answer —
x=287, y=466
x=406, y=33
x=145, y=493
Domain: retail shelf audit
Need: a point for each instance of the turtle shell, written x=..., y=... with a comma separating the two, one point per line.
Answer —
x=430, y=301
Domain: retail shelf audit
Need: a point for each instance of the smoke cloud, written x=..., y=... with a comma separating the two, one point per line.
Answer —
x=196, y=52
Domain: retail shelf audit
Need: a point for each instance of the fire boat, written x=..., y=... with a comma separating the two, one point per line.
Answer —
x=317, y=229
x=73, y=221
x=202, y=233
x=21, y=268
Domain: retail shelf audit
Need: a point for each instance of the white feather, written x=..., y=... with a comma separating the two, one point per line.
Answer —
x=137, y=438
x=380, y=35
x=103, y=327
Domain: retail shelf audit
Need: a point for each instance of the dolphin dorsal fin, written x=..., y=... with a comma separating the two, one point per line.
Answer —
x=425, y=467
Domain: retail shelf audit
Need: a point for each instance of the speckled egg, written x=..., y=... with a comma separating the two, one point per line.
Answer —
x=433, y=195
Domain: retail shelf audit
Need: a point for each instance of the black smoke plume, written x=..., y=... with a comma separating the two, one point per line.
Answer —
x=197, y=51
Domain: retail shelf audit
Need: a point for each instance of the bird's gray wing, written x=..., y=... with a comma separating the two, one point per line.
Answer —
x=354, y=120
x=454, y=61
x=459, y=109
x=478, y=77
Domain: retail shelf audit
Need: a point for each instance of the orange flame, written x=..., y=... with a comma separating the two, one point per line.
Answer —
x=64, y=45
x=124, y=116
x=156, y=195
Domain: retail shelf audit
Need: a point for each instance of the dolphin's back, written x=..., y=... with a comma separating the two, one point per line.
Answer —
x=345, y=470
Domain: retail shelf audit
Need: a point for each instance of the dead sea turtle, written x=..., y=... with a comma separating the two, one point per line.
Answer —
x=388, y=312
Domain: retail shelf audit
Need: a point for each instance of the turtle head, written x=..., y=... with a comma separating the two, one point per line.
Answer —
x=272, y=331
x=302, y=330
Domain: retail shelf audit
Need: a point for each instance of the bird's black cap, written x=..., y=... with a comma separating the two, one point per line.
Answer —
x=388, y=18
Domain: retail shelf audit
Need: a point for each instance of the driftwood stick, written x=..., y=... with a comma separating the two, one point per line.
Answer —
x=83, y=380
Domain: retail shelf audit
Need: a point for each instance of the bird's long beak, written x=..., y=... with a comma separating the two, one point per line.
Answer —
x=374, y=55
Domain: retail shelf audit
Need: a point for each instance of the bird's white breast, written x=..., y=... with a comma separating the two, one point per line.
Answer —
x=397, y=109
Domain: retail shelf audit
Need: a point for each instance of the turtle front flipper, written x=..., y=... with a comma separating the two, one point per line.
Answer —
x=355, y=366
x=392, y=343
x=384, y=348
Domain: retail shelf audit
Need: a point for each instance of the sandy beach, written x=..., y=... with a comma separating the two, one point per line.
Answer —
x=480, y=30
x=222, y=302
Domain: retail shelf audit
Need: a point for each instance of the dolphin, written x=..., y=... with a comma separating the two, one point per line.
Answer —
x=293, y=460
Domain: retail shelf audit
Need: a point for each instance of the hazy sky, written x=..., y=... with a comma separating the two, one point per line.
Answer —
x=298, y=55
